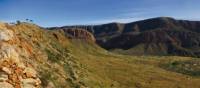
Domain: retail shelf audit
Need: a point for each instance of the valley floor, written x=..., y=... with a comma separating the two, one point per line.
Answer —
x=107, y=70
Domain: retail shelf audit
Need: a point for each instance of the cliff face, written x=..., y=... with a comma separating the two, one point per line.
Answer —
x=79, y=34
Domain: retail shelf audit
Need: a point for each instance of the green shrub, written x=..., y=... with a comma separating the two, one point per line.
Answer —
x=53, y=56
x=189, y=67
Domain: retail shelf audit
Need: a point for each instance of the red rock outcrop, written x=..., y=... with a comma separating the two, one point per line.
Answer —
x=80, y=34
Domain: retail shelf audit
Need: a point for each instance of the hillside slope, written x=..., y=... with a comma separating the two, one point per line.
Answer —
x=60, y=62
x=45, y=53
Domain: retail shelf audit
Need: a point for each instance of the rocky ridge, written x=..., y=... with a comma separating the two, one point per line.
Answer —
x=13, y=72
x=33, y=57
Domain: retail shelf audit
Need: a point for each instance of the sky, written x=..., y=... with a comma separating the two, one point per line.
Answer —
x=49, y=13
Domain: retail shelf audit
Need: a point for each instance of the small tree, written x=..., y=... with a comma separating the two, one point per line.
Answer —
x=31, y=20
x=18, y=22
x=27, y=20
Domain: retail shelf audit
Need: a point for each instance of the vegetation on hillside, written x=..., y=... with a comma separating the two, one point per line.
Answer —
x=188, y=67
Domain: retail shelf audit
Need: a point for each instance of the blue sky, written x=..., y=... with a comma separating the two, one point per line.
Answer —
x=69, y=12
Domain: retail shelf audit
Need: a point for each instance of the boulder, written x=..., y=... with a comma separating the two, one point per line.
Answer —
x=3, y=77
x=6, y=35
x=6, y=70
x=29, y=83
x=8, y=51
x=30, y=73
x=5, y=85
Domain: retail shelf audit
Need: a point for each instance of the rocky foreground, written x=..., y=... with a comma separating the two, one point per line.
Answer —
x=13, y=72
x=33, y=57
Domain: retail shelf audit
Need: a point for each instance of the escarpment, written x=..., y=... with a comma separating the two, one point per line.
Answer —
x=80, y=34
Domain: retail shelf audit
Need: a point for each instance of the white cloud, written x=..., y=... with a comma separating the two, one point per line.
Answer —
x=119, y=20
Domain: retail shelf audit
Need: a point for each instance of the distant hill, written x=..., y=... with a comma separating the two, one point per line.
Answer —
x=155, y=36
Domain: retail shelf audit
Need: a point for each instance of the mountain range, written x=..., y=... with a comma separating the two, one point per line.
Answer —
x=155, y=36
